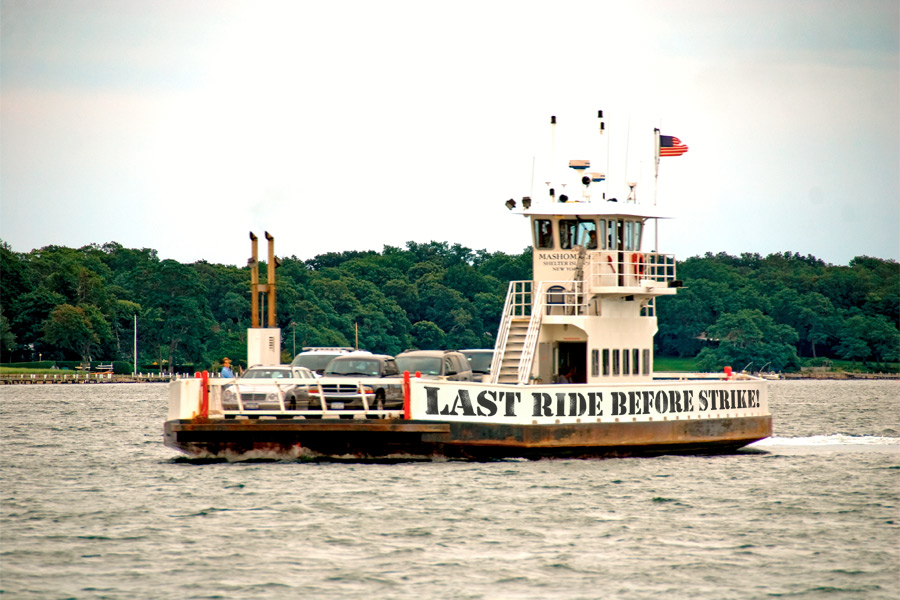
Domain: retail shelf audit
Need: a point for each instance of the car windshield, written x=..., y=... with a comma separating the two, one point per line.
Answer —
x=426, y=365
x=267, y=374
x=313, y=362
x=481, y=362
x=356, y=366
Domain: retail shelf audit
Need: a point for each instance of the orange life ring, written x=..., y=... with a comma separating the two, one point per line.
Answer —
x=638, y=260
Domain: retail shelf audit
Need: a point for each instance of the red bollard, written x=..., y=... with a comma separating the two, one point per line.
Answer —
x=727, y=372
x=406, y=411
x=204, y=403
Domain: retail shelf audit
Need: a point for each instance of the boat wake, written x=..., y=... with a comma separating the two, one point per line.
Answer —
x=829, y=440
x=833, y=440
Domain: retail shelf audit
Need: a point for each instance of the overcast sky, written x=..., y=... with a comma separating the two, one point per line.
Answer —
x=183, y=125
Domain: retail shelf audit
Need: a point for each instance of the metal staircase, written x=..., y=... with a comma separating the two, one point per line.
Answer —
x=518, y=333
x=511, y=363
x=517, y=336
x=508, y=349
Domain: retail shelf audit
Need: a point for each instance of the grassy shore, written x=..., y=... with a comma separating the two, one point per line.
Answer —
x=826, y=369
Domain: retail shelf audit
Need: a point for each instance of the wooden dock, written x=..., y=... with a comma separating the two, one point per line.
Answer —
x=69, y=378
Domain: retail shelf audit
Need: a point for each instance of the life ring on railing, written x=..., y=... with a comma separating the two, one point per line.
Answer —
x=638, y=260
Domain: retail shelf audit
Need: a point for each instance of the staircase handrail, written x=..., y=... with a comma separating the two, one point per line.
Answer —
x=502, y=333
x=538, y=299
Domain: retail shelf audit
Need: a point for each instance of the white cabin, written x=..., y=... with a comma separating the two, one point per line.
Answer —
x=592, y=303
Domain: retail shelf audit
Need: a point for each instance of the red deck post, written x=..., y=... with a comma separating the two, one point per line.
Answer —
x=406, y=411
x=204, y=403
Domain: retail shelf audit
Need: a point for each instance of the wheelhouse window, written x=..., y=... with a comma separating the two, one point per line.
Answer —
x=587, y=234
x=578, y=232
x=612, y=235
x=568, y=233
x=543, y=233
x=633, y=235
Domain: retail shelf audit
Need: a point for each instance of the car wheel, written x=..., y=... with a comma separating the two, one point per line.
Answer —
x=311, y=406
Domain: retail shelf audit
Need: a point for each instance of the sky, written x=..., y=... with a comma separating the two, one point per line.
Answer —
x=184, y=125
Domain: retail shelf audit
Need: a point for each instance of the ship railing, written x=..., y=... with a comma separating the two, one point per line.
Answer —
x=627, y=268
x=273, y=394
x=531, y=336
x=551, y=297
x=561, y=298
x=691, y=376
x=527, y=300
x=518, y=305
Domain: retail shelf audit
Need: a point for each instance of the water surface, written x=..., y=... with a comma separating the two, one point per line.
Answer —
x=94, y=506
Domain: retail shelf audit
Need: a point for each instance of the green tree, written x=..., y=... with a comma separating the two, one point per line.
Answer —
x=72, y=328
x=182, y=319
x=428, y=336
x=749, y=337
x=27, y=323
x=7, y=337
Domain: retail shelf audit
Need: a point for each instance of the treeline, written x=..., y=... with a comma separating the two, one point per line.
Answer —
x=59, y=303
x=63, y=303
x=765, y=312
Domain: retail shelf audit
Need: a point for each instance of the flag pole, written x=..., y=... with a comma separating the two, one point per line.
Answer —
x=656, y=188
x=656, y=170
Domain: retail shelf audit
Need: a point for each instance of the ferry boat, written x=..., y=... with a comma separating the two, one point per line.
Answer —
x=572, y=372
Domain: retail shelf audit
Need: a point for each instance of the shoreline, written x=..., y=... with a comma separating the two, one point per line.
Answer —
x=839, y=375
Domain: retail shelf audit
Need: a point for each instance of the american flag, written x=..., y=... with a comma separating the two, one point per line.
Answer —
x=671, y=146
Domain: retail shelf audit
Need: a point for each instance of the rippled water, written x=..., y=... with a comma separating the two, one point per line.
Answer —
x=94, y=506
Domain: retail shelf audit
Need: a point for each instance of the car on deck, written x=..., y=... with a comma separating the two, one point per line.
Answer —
x=316, y=358
x=266, y=388
x=351, y=377
x=480, y=360
x=448, y=365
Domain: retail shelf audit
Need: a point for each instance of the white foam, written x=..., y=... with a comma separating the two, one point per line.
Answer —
x=838, y=439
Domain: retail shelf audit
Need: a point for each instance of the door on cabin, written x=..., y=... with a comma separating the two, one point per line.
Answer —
x=572, y=355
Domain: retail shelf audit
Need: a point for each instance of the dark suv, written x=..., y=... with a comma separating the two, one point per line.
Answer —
x=360, y=370
x=436, y=364
x=480, y=361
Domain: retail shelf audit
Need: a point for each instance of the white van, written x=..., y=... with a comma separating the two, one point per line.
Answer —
x=317, y=358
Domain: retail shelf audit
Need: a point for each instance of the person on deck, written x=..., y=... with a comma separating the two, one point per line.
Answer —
x=227, y=373
x=567, y=375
